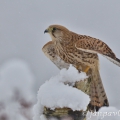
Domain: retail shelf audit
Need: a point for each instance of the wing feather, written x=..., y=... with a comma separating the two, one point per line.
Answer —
x=49, y=51
x=93, y=45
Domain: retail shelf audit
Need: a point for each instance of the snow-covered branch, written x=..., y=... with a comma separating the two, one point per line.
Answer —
x=58, y=92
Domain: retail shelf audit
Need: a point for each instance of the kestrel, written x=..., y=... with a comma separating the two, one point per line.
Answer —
x=50, y=52
x=68, y=47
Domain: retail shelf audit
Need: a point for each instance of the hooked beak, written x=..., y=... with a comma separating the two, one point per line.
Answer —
x=46, y=31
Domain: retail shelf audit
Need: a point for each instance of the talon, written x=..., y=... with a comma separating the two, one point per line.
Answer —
x=77, y=67
x=86, y=69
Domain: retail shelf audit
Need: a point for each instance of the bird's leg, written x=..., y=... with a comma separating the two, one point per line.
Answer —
x=86, y=69
x=78, y=67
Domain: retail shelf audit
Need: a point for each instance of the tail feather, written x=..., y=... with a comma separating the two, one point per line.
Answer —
x=97, y=93
x=114, y=60
x=118, y=60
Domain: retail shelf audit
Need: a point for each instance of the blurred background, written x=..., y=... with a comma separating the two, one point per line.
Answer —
x=24, y=67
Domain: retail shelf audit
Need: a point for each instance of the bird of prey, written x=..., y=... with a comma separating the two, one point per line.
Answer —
x=67, y=47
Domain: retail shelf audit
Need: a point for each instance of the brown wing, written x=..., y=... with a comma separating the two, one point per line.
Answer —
x=49, y=51
x=93, y=45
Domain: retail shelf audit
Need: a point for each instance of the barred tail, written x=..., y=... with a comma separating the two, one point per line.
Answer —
x=97, y=93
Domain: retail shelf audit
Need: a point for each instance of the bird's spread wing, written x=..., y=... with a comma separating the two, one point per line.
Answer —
x=49, y=51
x=93, y=45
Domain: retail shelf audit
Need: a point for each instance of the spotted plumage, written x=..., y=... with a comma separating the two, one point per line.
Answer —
x=49, y=51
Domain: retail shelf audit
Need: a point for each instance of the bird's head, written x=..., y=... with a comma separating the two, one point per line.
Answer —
x=56, y=31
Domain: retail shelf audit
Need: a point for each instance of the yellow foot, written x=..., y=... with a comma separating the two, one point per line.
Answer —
x=86, y=69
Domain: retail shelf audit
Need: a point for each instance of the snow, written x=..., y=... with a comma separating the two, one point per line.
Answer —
x=42, y=117
x=55, y=94
x=105, y=113
x=109, y=113
x=15, y=75
x=16, y=91
x=71, y=75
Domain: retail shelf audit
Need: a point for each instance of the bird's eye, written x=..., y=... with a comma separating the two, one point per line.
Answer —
x=54, y=29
